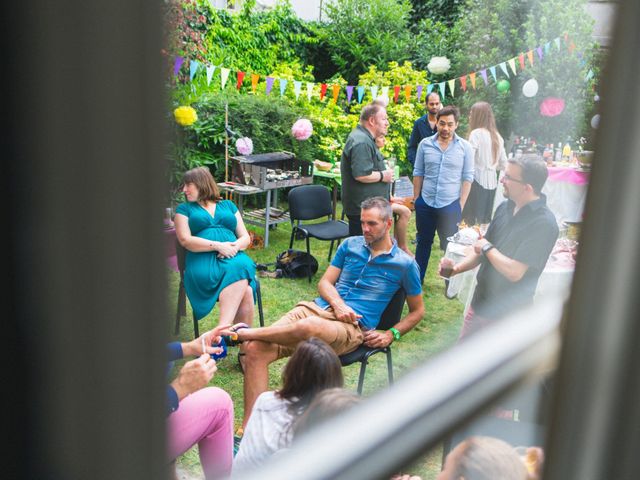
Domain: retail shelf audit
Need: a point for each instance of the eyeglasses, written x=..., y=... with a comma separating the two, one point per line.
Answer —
x=511, y=179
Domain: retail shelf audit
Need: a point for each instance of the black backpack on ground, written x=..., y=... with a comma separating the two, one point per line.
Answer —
x=291, y=264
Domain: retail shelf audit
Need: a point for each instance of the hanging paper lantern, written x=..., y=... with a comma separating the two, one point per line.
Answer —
x=244, y=146
x=302, y=129
x=503, y=86
x=530, y=88
x=438, y=65
x=551, y=107
x=185, y=116
x=596, y=98
x=595, y=121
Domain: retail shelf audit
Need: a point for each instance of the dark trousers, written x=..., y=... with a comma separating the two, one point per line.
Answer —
x=355, y=227
x=444, y=220
x=479, y=206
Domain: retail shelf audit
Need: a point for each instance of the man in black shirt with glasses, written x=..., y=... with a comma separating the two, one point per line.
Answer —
x=515, y=249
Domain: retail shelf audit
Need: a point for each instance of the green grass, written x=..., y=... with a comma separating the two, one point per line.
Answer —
x=438, y=330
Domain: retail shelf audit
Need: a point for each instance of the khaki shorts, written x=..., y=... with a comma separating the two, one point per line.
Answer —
x=344, y=339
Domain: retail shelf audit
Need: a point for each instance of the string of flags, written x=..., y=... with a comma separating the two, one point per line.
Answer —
x=513, y=66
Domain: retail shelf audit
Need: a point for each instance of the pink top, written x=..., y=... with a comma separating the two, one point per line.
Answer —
x=569, y=175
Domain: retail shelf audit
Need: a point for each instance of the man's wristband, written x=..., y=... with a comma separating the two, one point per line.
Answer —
x=486, y=248
x=395, y=332
x=381, y=176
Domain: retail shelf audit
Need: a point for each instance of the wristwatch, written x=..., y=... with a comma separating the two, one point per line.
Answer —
x=381, y=177
x=396, y=333
x=486, y=247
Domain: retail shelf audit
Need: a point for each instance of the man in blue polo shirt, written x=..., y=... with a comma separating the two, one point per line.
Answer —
x=442, y=177
x=364, y=274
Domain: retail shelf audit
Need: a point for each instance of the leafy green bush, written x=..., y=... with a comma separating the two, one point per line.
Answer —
x=362, y=33
x=266, y=120
x=253, y=41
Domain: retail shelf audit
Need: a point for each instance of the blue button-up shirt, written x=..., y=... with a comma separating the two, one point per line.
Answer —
x=367, y=284
x=443, y=171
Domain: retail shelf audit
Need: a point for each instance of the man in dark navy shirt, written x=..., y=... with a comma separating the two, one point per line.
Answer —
x=515, y=249
x=425, y=126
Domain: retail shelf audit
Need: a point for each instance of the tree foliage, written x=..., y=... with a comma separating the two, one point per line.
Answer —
x=446, y=12
x=492, y=31
x=362, y=33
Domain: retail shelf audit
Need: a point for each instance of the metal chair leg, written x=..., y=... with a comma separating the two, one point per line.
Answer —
x=390, y=366
x=259, y=295
x=330, y=251
x=363, y=369
x=293, y=233
x=309, y=252
x=196, y=331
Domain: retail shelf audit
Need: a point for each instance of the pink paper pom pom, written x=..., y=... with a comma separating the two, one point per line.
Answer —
x=302, y=129
x=551, y=107
x=244, y=146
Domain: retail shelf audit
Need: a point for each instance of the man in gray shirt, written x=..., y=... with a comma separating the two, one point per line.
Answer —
x=364, y=173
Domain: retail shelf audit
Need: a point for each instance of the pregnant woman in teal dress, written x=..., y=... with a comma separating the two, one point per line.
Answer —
x=214, y=235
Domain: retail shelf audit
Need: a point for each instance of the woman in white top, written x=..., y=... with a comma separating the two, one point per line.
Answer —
x=490, y=157
x=312, y=368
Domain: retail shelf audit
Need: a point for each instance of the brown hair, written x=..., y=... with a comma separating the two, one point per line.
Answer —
x=205, y=183
x=313, y=367
x=448, y=110
x=481, y=116
x=381, y=204
x=488, y=458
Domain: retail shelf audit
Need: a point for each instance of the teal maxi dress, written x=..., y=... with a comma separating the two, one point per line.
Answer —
x=205, y=274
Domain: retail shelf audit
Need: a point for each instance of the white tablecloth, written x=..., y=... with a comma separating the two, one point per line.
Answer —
x=566, y=200
x=554, y=280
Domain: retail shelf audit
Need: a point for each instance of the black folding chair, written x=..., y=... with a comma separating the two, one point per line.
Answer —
x=310, y=202
x=390, y=317
x=181, y=309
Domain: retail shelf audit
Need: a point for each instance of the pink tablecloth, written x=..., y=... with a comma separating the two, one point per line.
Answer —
x=569, y=175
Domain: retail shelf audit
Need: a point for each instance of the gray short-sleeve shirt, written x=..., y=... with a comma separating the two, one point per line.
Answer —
x=360, y=157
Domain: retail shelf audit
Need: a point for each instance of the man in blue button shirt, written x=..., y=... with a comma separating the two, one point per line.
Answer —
x=442, y=177
x=364, y=275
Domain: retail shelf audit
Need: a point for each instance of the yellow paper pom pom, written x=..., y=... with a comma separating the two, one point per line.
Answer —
x=185, y=116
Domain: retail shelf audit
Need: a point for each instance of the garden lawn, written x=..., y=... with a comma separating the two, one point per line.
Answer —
x=438, y=330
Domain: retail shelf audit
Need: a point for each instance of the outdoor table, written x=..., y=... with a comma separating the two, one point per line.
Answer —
x=555, y=279
x=262, y=217
x=566, y=191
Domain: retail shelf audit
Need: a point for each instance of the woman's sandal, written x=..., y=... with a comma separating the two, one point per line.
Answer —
x=232, y=340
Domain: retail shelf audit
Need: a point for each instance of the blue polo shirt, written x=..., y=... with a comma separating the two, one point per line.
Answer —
x=443, y=171
x=367, y=284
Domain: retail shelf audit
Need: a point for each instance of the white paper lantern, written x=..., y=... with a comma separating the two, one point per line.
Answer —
x=438, y=65
x=530, y=87
x=595, y=121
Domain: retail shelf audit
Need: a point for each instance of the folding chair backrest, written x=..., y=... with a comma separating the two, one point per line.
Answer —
x=393, y=312
x=308, y=202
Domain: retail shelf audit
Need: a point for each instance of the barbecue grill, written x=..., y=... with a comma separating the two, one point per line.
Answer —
x=271, y=170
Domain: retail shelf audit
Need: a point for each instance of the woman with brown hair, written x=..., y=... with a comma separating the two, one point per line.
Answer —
x=213, y=233
x=312, y=368
x=489, y=157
